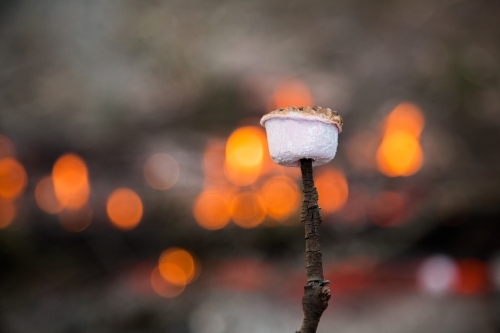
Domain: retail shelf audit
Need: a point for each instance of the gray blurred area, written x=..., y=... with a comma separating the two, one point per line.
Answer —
x=115, y=81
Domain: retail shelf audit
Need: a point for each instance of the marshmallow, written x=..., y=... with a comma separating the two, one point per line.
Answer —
x=297, y=133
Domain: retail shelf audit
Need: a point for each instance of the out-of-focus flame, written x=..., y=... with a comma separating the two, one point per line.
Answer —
x=291, y=92
x=245, y=155
x=7, y=213
x=247, y=209
x=76, y=220
x=178, y=267
x=281, y=196
x=164, y=288
x=332, y=190
x=161, y=171
x=45, y=196
x=6, y=147
x=71, y=185
x=211, y=209
x=400, y=153
x=12, y=178
x=124, y=208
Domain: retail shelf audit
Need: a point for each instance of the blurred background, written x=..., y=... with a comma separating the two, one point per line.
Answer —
x=137, y=193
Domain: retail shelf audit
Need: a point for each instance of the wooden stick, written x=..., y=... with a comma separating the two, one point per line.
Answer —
x=316, y=292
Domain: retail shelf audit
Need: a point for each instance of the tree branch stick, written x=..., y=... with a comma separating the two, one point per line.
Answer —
x=316, y=292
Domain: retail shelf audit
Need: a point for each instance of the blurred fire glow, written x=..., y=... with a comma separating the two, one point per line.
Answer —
x=45, y=196
x=400, y=153
x=281, y=196
x=12, y=178
x=71, y=184
x=178, y=267
x=124, y=208
x=76, y=220
x=291, y=92
x=213, y=162
x=332, y=189
x=161, y=171
x=245, y=155
x=247, y=209
x=211, y=209
x=7, y=213
x=164, y=288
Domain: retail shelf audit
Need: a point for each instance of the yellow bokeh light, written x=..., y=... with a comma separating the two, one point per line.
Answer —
x=177, y=266
x=245, y=155
x=399, y=154
x=12, y=178
x=164, y=288
x=71, y=185
x=248, y=210
x=7, y=213
x=281, y=196
x=333, y=190
x=405, y=117
x=211, y=209
x=124, y=208
x=161, y=171
x=45, y=196
x=291, y=92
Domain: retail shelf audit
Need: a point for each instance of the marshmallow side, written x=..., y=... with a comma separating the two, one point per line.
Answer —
x=292, y=138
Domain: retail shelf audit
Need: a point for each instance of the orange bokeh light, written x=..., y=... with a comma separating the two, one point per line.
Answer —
x=124, y=208
x=7, y=213
x=76, y=220
x=6, y=147
x=177, y=266
x=282, y=197
x=400, y=153
x=247, y=209
x=161, y=171
x=291, y=92
x=245, y=150
x=164, y=288
x=45, y=196
x=71, y=185
x=211, y=209
x=332, y=190
x=12, y=178
x=405, y=117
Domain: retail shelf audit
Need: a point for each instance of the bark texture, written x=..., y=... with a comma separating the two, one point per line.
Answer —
x=316, y=292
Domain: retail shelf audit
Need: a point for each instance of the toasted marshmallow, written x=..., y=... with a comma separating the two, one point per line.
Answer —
x=297, y=133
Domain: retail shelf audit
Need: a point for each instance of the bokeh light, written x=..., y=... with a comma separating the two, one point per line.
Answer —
x=6, y=147
x=178, y=266
x=45, y=196
x=164, y=288
x=437, y=275
x=247, y=209
x=333, y=190
x=124, y=208
x=472, y=276
x=291, y=92
x=13, y=178
x=211, y=209
x=400, y=153
x=388, y=209
x=7, y=213
x=281, y=196
x=213, y=162
x=76, y=220
x=71, y=184
x=245, y=155
x=161, y=171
